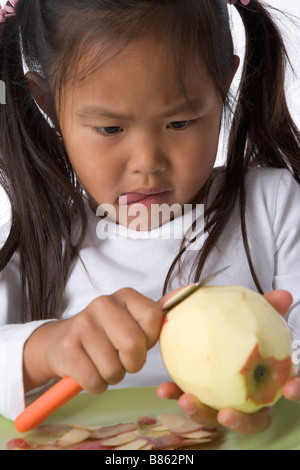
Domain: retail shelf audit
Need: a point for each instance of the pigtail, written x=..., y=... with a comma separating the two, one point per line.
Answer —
x=262, y=119
x=42, y=190
x=263, y=132
x=262, y=126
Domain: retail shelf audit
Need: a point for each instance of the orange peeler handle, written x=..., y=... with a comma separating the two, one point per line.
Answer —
x=46, y=404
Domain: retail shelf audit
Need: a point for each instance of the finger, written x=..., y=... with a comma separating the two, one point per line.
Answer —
x=67, y=357
x=198, y=412
x=169, y=390
x=281, y=300
x=85, y=373
x=189, y=404
x=246, y=424
x=125, y=334
x=147, y=313
x=104, y=356
x=291, y=390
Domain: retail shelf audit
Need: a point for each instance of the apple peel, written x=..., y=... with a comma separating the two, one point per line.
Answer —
x=136, y=444
x=146, y=420
x=267, y=375
x=19, y=444
x=52, y=430
x=156, y=435
x=72, y=437
x=111, y=431
x=120, y=439
x=178, y=423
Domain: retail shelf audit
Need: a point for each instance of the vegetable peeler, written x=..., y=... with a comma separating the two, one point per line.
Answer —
x=67, y=388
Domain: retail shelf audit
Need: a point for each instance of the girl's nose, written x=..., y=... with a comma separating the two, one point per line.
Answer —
x=147, y=157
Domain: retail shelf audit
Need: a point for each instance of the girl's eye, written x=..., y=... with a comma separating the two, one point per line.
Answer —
x=107, y=131
x=179, y=125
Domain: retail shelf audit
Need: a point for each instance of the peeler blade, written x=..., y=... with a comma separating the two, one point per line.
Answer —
x=193, y=288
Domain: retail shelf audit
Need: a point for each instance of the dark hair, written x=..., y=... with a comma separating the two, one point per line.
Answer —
x=51, y=36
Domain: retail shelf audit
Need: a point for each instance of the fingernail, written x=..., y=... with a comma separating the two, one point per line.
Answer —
x=162, y=395
x=233, y=423
x=191, y=409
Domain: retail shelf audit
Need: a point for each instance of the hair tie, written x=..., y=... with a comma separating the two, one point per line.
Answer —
x=243, y=2
x=8, y=10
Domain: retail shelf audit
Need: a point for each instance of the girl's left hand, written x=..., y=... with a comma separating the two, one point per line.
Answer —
x=239, y=422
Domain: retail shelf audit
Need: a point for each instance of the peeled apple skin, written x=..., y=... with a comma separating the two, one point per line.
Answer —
x=228, y=347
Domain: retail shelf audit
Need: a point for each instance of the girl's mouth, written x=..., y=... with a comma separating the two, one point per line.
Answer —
x=142, y=197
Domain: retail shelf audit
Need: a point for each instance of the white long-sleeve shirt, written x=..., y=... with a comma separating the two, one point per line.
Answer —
x=131, y=260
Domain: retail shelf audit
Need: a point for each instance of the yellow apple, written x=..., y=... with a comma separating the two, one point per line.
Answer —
x=229, y=347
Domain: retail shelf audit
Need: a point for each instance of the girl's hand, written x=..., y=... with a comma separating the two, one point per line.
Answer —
x=97, y=346
x=234, y=420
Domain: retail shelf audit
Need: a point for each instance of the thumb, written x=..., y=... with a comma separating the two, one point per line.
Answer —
x=281, y=300
x=166, y=298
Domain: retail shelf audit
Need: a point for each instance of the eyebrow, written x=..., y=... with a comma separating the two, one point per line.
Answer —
x=96, y=112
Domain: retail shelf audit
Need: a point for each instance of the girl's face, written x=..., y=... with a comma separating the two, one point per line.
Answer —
x=132, y=136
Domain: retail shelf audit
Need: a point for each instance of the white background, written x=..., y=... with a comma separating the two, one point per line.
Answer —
x=291, y=32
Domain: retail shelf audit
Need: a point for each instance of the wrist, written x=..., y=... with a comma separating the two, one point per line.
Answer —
x=36, y=368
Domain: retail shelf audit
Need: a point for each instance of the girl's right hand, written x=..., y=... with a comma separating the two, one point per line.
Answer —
x=110, y=337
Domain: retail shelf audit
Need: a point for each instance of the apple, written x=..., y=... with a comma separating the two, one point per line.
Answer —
x=229, y=347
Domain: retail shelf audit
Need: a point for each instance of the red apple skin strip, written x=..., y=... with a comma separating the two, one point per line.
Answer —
x=121, y=439
x=194, y=442
x=146, y=420
x=72, y=437
x=18, y=444
x=201, y=434
x=53, y=430
x=158, y=428
x=167, y=441
x=110, y=431
x=45, y=447
x=178, y=423
x=88, y=428
x=133, y=445
x=147, y=447
x=91, y=445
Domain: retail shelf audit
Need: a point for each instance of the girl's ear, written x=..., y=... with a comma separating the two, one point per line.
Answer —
x=39, y=91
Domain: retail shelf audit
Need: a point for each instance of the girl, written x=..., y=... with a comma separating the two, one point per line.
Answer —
x=121, y=106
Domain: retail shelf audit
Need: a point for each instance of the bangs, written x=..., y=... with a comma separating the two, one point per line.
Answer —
x=92, y=39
